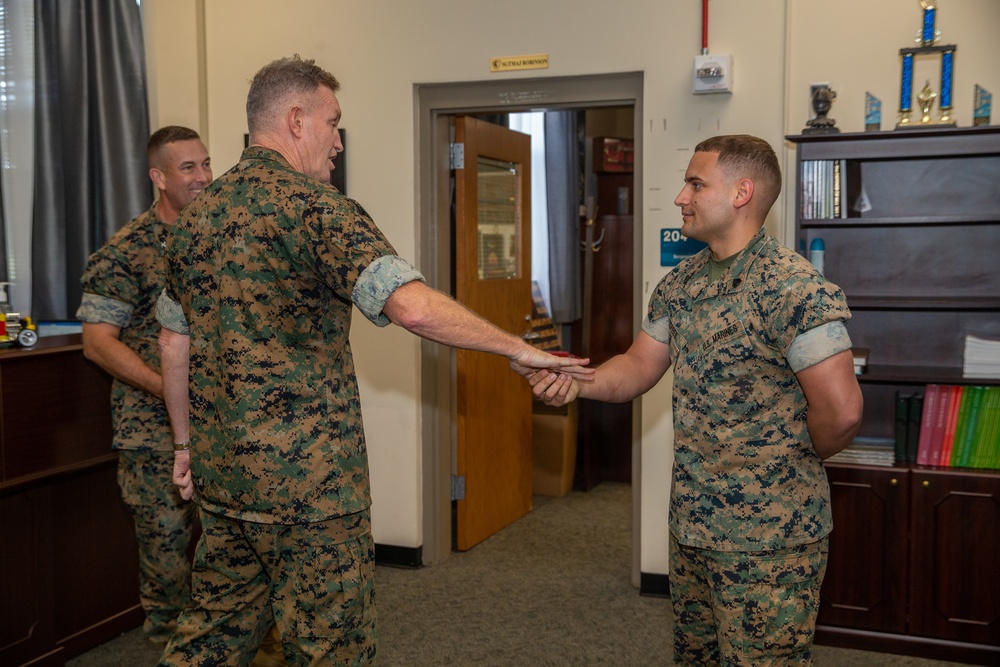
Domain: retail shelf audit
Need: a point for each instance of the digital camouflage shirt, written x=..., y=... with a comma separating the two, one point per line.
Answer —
x=746, y=476
x=262, y=270
x=120, y=286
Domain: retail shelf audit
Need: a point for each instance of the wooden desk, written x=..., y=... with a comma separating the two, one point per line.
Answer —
x=69, y=575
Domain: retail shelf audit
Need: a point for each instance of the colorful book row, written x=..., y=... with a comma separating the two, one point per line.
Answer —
x=960, y=426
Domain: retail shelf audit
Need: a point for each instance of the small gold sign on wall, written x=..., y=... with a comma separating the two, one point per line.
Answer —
x=513, y=63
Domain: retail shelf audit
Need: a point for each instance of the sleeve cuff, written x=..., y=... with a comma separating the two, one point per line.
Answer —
x=819, y=344
x=170, y=315
x=95, y=308
x=377, y=283
x=658, y=329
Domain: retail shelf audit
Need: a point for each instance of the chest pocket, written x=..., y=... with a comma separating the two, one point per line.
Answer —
x=727, y=372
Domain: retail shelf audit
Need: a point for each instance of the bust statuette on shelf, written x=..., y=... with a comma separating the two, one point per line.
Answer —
x=822, y=100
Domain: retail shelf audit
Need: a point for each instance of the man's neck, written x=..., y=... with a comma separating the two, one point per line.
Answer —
x=736, y=241
x=165, y=212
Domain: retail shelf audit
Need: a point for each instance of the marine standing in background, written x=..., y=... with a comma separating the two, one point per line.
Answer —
x=763, y=390
x=120, y=287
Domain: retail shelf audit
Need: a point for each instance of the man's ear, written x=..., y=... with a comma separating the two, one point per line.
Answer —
x=158, y=178
x=295, y=118
x=744, y=193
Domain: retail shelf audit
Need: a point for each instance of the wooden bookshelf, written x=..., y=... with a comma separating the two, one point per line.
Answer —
x=916, y=249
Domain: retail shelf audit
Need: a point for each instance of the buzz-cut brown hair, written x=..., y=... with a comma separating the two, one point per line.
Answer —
x=746, y=156
x=167, y=135
x=279, y=79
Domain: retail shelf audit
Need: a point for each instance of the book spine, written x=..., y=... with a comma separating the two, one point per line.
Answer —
x=950, y=424
x=940, y=423
x=993, y=435
x=962, y=423
x=916, y=405
x=978, y=457
x=931, y=395
x=902, y=423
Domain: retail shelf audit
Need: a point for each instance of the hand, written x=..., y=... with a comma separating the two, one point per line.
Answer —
x=182, y=473
x=554, y=388
x=530, y=359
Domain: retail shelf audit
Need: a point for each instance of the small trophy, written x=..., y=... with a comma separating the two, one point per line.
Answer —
x=873, y=113
x=982, y=102
x=926, y=99
x=927, y=38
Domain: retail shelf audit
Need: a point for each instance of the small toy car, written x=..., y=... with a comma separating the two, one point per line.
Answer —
x=17, y=329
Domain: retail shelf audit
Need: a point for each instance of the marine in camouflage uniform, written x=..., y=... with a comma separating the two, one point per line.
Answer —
x=121, y=284
x=763, y=389
x=749, y=491
x=264, y=269
x=263, y=272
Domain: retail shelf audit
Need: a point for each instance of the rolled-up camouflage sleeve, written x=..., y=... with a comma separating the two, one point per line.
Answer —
x=816, y=345
x=95, y=308
x=170, y=315
x=377, y=282
x=659, y=329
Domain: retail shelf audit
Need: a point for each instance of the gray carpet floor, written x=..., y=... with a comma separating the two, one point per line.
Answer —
x=552, y=589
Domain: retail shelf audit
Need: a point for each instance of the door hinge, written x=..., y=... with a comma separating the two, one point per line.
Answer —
x=456, y=156
x=458, y=487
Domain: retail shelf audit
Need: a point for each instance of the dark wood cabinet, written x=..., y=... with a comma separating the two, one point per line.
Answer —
x=866, y=583
x=913, y=563
x=910, y=221
x=69, y=575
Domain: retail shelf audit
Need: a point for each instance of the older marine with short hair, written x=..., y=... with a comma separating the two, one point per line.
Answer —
x=264, y=271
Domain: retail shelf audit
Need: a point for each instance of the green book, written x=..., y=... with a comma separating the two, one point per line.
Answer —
x=969, y=430
x=987, y=454
x=961, y=421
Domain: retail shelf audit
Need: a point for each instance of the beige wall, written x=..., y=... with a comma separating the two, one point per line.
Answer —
x=381, y=48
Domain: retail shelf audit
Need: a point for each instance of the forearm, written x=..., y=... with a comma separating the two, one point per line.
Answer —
x=435, y=316
x=830, y=436
x=835, y=403
x=174, y=359
x=101, y=345
x=630, y=375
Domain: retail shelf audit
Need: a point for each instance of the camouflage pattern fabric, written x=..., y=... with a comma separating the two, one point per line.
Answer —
x=316, y=580
x=746, y=476
x=163, y=525
x=121, y=284
x=264, y=265
x=743, y=609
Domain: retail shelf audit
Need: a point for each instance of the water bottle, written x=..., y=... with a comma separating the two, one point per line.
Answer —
x=816, y=251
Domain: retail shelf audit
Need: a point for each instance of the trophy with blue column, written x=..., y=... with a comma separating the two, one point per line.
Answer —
x=927, y=43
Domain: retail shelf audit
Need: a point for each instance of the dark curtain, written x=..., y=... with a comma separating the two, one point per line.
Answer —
x=562, y=180
x=91, y=128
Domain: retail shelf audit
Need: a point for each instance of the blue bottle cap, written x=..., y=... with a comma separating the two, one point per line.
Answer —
x=817, y=244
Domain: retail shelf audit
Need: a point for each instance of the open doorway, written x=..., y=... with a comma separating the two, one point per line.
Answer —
x=436, y=104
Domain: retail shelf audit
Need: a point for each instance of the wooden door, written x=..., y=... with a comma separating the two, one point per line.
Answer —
x=493, y=278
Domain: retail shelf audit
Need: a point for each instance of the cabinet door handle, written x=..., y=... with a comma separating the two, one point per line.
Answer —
x=926, y=483
x=893, y=482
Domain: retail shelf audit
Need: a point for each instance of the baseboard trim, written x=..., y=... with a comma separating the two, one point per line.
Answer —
x=393, y=556
x=654, y=585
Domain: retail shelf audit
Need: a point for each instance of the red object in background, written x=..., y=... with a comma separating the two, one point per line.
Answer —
x=614, y=155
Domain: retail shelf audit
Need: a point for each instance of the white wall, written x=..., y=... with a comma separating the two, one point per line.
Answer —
x=380, y=49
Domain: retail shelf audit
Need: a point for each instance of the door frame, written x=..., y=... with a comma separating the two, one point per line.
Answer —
x=435, y=104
